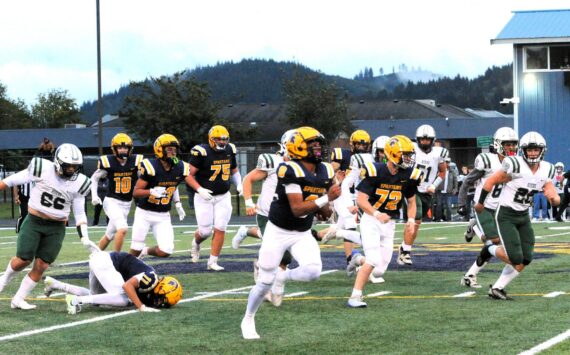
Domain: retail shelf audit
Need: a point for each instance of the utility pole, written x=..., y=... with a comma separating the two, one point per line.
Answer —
x=99, y=95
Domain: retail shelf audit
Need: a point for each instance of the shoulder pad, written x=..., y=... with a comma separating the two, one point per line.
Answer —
x=512, y=165
x=483, y=161
x=336, y=154
x=198, y=150
x=265, y=161
x=330, y=170
x=233, y=146
x=147, y=166
x=296, y=168
x=85, y=186
x=104, y=162
x=444, y=152
x=369, y=170
x=138, y=159
x=36, y=166
x=416, y=174
x=551, y=171
x=185, y=168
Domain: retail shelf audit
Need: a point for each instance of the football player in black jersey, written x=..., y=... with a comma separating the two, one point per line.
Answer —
x=212, y=167
x=121, y=169
x=155, y=190
x=119, y=279
x=304, y=188
x=380, y=196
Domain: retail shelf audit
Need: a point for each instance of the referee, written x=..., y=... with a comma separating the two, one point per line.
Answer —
x=22, y=195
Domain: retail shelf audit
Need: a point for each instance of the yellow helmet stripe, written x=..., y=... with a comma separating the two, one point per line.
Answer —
x=149, y=168
x=105, y=161
x=296, y=168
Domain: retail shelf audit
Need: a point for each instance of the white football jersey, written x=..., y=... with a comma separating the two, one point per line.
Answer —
x=489, y=163
x=352, y=179
x=269, y=164
x=428, y=163
x=51, y=194
x=517, y=193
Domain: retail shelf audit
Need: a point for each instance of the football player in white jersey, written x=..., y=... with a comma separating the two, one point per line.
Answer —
x=522, y=176
x=431, y=161
x=345, y=206
x=121, y=168
x=505, y=143
x=58, y=187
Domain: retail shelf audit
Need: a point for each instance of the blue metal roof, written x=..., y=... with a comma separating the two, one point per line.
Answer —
x=536, y=27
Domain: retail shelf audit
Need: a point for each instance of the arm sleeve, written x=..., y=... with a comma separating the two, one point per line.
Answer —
x=78, y=206
x=468, y=182
x=97, y=175
x=20, y=178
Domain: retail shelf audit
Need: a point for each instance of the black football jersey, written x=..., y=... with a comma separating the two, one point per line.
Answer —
x=152, y=171
x=312, y=185
x=214, y=167
x=128, y=266
x=342, y=157
x=122, y=178
x=386, y=191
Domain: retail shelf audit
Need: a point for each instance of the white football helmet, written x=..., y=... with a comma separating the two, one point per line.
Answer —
x=503, y=135
x=379, y=144
x=425, y=131
x=559, y=166
x=284, y=138
x=68, y=161
x=532, y=140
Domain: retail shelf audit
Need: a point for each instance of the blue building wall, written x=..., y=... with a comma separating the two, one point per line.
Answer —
x=545, y=107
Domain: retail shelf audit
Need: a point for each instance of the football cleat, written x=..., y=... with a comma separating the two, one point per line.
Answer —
x=484, y=256
x=215, y=267
x=498, y=294
x=470, y=233
x=470, y=281
x=248, y=328
x=276, y=298
x=356, y=302
x=330, y=234
x=404, y=257
x=21, y=304
x=268, y=296
x=351, y=267
x=143, y=253
x=195, y=251
x=48, y=289
x=73, y=306
x=239, y=237
x=376, y=280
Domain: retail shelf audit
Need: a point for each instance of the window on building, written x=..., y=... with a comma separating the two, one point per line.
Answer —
x=560, y=57
x=536, y=58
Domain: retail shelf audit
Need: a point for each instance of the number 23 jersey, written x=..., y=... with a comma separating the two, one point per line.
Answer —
x=214, y=167
x=51, y=194
x=152, y=171
x=517, y=193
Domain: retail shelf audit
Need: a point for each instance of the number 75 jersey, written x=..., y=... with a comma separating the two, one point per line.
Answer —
x=51, y=194
x=517, y=193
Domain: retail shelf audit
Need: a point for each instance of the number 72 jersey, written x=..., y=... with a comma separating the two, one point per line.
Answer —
x=517, y=193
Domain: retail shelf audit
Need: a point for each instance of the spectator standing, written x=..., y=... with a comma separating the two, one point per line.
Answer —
x=46, y=149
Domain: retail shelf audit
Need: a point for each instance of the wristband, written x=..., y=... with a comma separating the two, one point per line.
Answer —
x=249, y=203
x=376, y=214
x=321, y=201
x=411, y=220
x=483, y=196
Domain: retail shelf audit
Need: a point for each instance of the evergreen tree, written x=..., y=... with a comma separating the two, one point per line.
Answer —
x=54, y=109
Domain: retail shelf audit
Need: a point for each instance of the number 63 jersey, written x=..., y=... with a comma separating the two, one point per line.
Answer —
x=517, y=193
x=51, y=194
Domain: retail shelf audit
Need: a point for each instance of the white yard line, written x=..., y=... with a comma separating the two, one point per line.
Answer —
x=110, y=316
x=381, y=293
x=295, y=294
x=554, y=294
x=547, y=344
x=465, y=294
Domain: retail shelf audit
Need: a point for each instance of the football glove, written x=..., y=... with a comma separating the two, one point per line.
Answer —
x=144, y=308
x=180, y=210
x=158, y=191
x=462, y=210
x=239, y=189
x=205, y=193
x=96, y=200
x=89, y=245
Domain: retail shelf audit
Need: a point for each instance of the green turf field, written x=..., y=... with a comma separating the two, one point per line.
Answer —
x=421, y=309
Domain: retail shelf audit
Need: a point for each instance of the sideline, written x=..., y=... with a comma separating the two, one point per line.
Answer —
x=547, y=344
x=110, y=316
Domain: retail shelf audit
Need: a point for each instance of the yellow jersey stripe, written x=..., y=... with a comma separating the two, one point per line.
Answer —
x=148, y=167
x=139, y=159
x=105, y=161
x=201, y=150
x=338, y=153
x=416, y=173
x=330, y=170
x=186, y=168
x=297, y=169
x=370, y=168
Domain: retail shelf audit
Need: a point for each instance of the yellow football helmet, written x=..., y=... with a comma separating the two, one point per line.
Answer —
x=400, y=151
x=218, y=137
x=121, y=140
x=298, y=145
x=168, y=292
x=164, y=140
x=360, y=137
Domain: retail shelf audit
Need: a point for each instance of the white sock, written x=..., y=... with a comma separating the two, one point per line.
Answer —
x=26, y=286
x=356, y=293
x=9, y=274
x=406, y=247
x=213, y=260
x=493, y=250
x=255, y=298
x=475, y=269
x=69, y=288
x=509, y=274
x=107, y=299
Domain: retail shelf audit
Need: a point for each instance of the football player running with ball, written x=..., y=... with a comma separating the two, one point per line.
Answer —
x=522, y=176
x=380, y=196
x=119, y=279
x=58, y=188
x=212, y=167
x=121, y=168
x=304, y=188
x=155, y=190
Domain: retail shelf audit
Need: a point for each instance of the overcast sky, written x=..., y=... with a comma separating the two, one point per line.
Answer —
x=52, y=44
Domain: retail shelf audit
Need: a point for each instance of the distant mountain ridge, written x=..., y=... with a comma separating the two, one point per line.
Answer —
x=257, y=81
